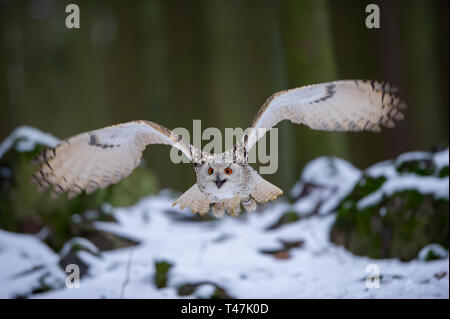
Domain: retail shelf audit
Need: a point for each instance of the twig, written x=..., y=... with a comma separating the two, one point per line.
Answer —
x=127, y=275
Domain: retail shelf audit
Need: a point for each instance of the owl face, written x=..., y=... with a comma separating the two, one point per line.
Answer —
x=220, y=180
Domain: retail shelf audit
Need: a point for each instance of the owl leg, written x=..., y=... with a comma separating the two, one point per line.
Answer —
x=249, y=204
x=218, y=210
x=234, y=211
x=232, y=206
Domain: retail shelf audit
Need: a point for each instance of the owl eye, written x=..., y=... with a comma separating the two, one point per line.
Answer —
x=210, y=171
x=228, y=171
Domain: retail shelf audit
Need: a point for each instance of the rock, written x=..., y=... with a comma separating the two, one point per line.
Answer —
x=324, y=182
x=432, y=252
x=283, y=252
x=203, y=289
x=70, y=254
x=396, y=208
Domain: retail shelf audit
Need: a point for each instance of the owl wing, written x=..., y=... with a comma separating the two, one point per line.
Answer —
x=98, y=158
x=348, y=105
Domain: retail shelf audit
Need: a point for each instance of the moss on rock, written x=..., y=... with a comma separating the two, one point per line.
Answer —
x=399, y=225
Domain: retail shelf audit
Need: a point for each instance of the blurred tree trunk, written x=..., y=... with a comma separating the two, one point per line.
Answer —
x=310, y=59
x=287, y=161
x=358, y=57
x=246, y=67
x=187, y=60
x=422, y=72
x=404, y=52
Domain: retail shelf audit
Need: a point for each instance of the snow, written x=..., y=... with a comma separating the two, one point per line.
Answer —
x=222, y=252
x=441, y=159
x=424, y=184
x=412, y=156
x=333, y=178
x=82, y=243
x=397, y=182
x=386, y=169
x=27, y=138
x=24, y=261
x=437, y=250
x=204, y=291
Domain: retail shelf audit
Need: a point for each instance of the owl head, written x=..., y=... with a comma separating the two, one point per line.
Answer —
x=219, y=179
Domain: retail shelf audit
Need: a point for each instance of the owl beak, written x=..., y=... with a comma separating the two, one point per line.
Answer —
x=219, y=182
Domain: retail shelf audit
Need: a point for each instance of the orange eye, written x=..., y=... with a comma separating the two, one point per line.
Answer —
x=210, y=171
x=228, y=171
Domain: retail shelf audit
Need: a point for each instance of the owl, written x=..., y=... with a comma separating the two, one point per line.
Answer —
x=98, y=158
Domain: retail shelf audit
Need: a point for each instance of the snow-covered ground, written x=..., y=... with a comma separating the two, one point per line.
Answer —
x=231, y=253
x=224, y=252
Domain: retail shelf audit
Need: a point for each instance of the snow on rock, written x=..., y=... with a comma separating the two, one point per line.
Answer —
x=27, y=138
x=412, y=156
x=386, y=169
x=435, y=250
x=440, y=159
x=397, y=182
x=389, y=168
x=80, y=243
x=324, y=183
x=424, y=184
x=26, y=264
x=204, y=291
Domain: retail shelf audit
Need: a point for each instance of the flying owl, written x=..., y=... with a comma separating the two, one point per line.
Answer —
x=98, y=158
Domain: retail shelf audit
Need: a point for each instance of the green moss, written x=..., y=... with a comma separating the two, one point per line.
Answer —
x=431, y=255
x=190, y=288
x=162, y=273
x=423, y=167
x=366, y=186
x=398, y=226
x=412, y=220
x=443, y=172
x=187, y=289
x=220, y=293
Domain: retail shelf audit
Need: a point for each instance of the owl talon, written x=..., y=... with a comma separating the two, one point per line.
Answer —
x=218, y=210
x=234, y=211
x=249, y=205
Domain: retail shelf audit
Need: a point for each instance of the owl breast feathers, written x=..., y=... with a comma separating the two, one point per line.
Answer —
x=98, y=158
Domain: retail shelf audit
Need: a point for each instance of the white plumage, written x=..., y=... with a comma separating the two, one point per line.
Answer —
x=351, y=105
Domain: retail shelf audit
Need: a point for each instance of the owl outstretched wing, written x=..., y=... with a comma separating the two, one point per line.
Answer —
x=347, y=105
x=98, y=158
